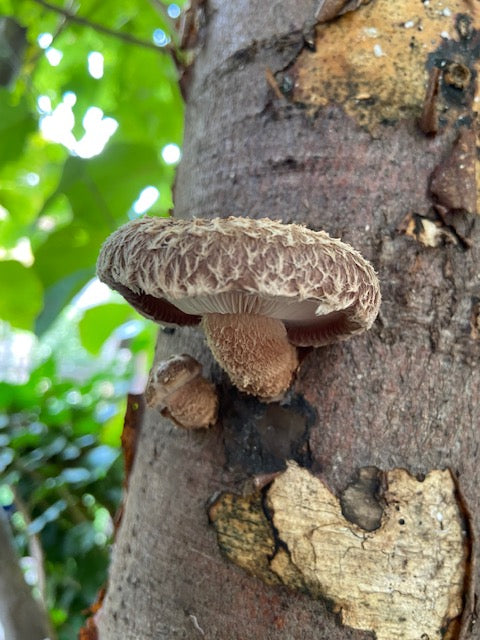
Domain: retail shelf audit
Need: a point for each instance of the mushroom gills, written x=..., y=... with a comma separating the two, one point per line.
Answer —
x=289, y=309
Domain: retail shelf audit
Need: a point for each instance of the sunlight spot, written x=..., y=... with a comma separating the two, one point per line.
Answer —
x=21, y=252
x=146, y=199
x=69, y=98
x=160, y=38
x=3, y=213
x=98, y=130
x=100, y=539
x=57, y=126
x=46, y=223
x=171, y=153
x=173, y=10
x=93, y=116
x=93, y=294
x=54, y=56
x=17, y=354
x=32, y=179
x=95, y=64
x=44, y=104
x=30, y=570
x=45, y=40
x=88, y=500
x=73, y=397
x=7, y=497
x=44, y=385
x=106, y=389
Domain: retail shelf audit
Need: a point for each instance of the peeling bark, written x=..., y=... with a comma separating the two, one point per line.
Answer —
x=453, y=184
x=340, y=150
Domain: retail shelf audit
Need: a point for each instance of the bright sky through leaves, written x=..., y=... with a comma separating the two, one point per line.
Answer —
x=95, y=64
x=171, y=153
x=173, y=11
x=145, y=200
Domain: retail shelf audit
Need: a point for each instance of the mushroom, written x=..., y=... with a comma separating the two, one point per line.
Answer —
x=258, y=287
x=182, y=394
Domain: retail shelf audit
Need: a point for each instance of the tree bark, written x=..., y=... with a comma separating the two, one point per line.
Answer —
x=282, y=122
x=21, y=616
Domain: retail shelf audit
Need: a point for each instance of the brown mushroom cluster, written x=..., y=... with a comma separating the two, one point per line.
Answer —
x=177, y=388
x=260, y=288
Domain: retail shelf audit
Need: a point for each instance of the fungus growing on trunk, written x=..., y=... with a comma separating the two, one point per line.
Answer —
x=177, y=388
x=259, y=287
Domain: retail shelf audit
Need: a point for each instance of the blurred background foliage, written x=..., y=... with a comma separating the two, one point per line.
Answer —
x=90, y=127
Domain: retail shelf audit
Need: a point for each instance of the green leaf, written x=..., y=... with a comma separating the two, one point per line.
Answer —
x=21, y=297
x=16, y=124
x=59, y=294
x=64, y=264
x=101, y=190
x=111, y=431
x=99, y=322
x=150, y=81
x=25, y=184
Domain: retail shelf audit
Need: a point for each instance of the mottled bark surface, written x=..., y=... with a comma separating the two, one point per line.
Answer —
x=405, y=395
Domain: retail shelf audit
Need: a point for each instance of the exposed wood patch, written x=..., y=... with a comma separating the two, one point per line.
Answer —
x=244, y=533
x=385, y=72
x=404, y=579
x=401, y=581
x=430, y=233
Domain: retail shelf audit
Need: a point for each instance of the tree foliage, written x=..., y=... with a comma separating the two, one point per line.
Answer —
x=61, y=194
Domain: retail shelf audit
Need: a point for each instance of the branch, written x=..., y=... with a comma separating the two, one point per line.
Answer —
x=126, y=37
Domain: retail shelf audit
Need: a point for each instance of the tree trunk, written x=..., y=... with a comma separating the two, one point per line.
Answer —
x=21, y=616
x=361, y=124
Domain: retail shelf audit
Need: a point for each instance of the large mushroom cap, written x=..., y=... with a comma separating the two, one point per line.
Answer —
x=175, y=271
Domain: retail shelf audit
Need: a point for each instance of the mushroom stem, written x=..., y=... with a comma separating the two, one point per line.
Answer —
x=254, y=350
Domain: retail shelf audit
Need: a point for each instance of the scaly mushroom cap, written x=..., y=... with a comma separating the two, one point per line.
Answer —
x=176, y=271
x=169, y=376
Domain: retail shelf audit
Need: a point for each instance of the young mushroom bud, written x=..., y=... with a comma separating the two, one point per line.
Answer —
x=260, y=288
x=178, y=389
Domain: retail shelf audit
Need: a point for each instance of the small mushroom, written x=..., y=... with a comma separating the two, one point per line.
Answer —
x=259, y=287
x=177, y=387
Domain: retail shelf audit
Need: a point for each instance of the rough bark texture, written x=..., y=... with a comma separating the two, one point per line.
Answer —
x=405, y=395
